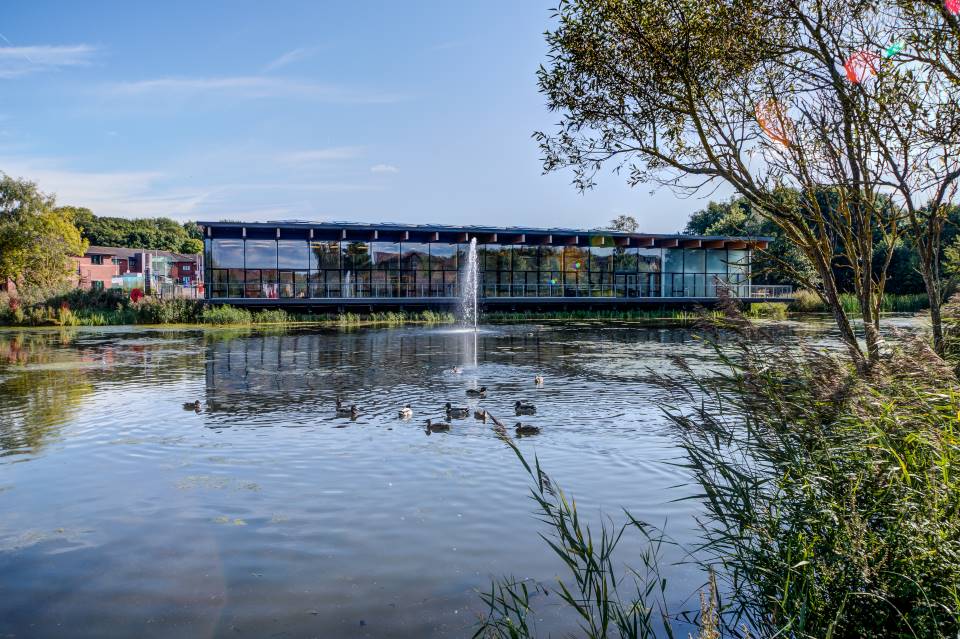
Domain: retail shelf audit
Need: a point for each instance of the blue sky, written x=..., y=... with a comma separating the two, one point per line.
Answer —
x=368, y=111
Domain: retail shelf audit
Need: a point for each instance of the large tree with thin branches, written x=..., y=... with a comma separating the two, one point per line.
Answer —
x=753, y=93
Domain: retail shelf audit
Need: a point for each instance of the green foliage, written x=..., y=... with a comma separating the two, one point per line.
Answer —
x=768, y=310
x=36, y=238
x=226, y=315
x=657, y=315
x=159, y=233
x=805, y=301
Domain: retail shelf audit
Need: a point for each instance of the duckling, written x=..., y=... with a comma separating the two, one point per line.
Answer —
x=195, y=406
x=480, y=414
x=538, y=380
x=477, y=392
x=522, y=408
x=406, y=412
x=436, y=427
x=458, y=412
x=353, y=412
x=526, y=429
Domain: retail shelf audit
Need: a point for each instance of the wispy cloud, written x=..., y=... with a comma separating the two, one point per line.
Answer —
x=20, y=61
x=384, y=168
x=294, y=55
x=249, y=86
x=313, y=156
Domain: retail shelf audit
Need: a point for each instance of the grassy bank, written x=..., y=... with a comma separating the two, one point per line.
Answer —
x=108, y=308
x=808, y=302
x=671, y=315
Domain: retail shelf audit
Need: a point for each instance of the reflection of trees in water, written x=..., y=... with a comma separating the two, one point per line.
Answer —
x=46, y=375
x=36, y=402
x=262, y=373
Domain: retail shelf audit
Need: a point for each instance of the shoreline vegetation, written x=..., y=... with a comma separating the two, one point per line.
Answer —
x=111, y=308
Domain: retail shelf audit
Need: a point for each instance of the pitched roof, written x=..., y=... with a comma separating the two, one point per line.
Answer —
x=117, y=251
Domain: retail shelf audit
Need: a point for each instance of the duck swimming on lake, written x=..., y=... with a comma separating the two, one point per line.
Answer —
x=195, y=406
x=456, y=370
x=477, y=392
x=436, y=427
x=353, y=412
x=538, y=380
x=526, y=429
x=406, y=412
x=458, y=412
x=523, y=408
x=480, y=414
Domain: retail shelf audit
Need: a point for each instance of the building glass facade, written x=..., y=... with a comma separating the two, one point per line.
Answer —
x=283, y=268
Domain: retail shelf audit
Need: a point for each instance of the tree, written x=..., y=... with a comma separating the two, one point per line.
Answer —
x=160, y=233
x=752, y=93
x=37, y=239
x=626, y=223
x=780, y=263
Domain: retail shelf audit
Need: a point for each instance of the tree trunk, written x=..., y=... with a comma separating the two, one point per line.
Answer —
x=847, y=333
x=936, y=320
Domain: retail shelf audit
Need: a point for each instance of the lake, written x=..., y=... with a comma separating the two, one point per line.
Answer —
x=264, y=514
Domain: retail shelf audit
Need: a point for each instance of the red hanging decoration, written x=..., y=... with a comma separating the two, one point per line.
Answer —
x=774, y=121
x=862, y=65
x=953, y=6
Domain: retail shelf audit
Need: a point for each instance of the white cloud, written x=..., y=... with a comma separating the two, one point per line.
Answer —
x=294, y=55
x=384, y=168
x=249, y=86
x=313, y=156
x=19, y=61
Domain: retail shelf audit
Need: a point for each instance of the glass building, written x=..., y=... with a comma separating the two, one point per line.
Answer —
x=342, y=263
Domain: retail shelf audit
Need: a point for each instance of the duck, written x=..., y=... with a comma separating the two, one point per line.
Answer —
x=457, y=370
x=477, y=392
x=458, y=412
x=406, y=412
x=436, y=427
x=353, y=412
x=526, y=429
x=192, y=406
x=538, y=380
x=480, y=414
x=522, y=408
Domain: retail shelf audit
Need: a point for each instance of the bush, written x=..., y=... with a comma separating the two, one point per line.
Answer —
x=226, y=315
x=271, y=316
x=768, y=310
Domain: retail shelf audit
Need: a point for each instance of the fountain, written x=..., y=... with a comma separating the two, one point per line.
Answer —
x=470, y=288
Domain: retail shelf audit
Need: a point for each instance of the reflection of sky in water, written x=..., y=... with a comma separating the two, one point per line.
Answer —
x=123, y=514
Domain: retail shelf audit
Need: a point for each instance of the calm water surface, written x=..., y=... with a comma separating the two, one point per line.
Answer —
x=123, y=514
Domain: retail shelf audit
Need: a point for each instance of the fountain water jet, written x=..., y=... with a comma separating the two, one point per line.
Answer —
x=470, y=288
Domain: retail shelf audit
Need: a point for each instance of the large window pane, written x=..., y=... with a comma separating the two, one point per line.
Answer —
x=716, y=261
x=738, y=262
x=649, y=260
x=551, y=258
x=575, y=259
x=525, y=258
x=694, y=261
x=356, y=256
x=601, y=259
x=386, y=256
x=294, y=254
x=625, y=260
x=324, y=255
x=226, y=254
x=415, y=256
x=261, y=253
x=673, y=260
x=443, y=257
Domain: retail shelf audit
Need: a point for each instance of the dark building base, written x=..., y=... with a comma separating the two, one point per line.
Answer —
x=374, y=304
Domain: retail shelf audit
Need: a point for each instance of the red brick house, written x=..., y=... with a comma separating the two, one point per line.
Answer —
x=100, y=264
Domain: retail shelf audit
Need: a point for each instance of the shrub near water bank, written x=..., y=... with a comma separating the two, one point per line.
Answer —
x=805, y=301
